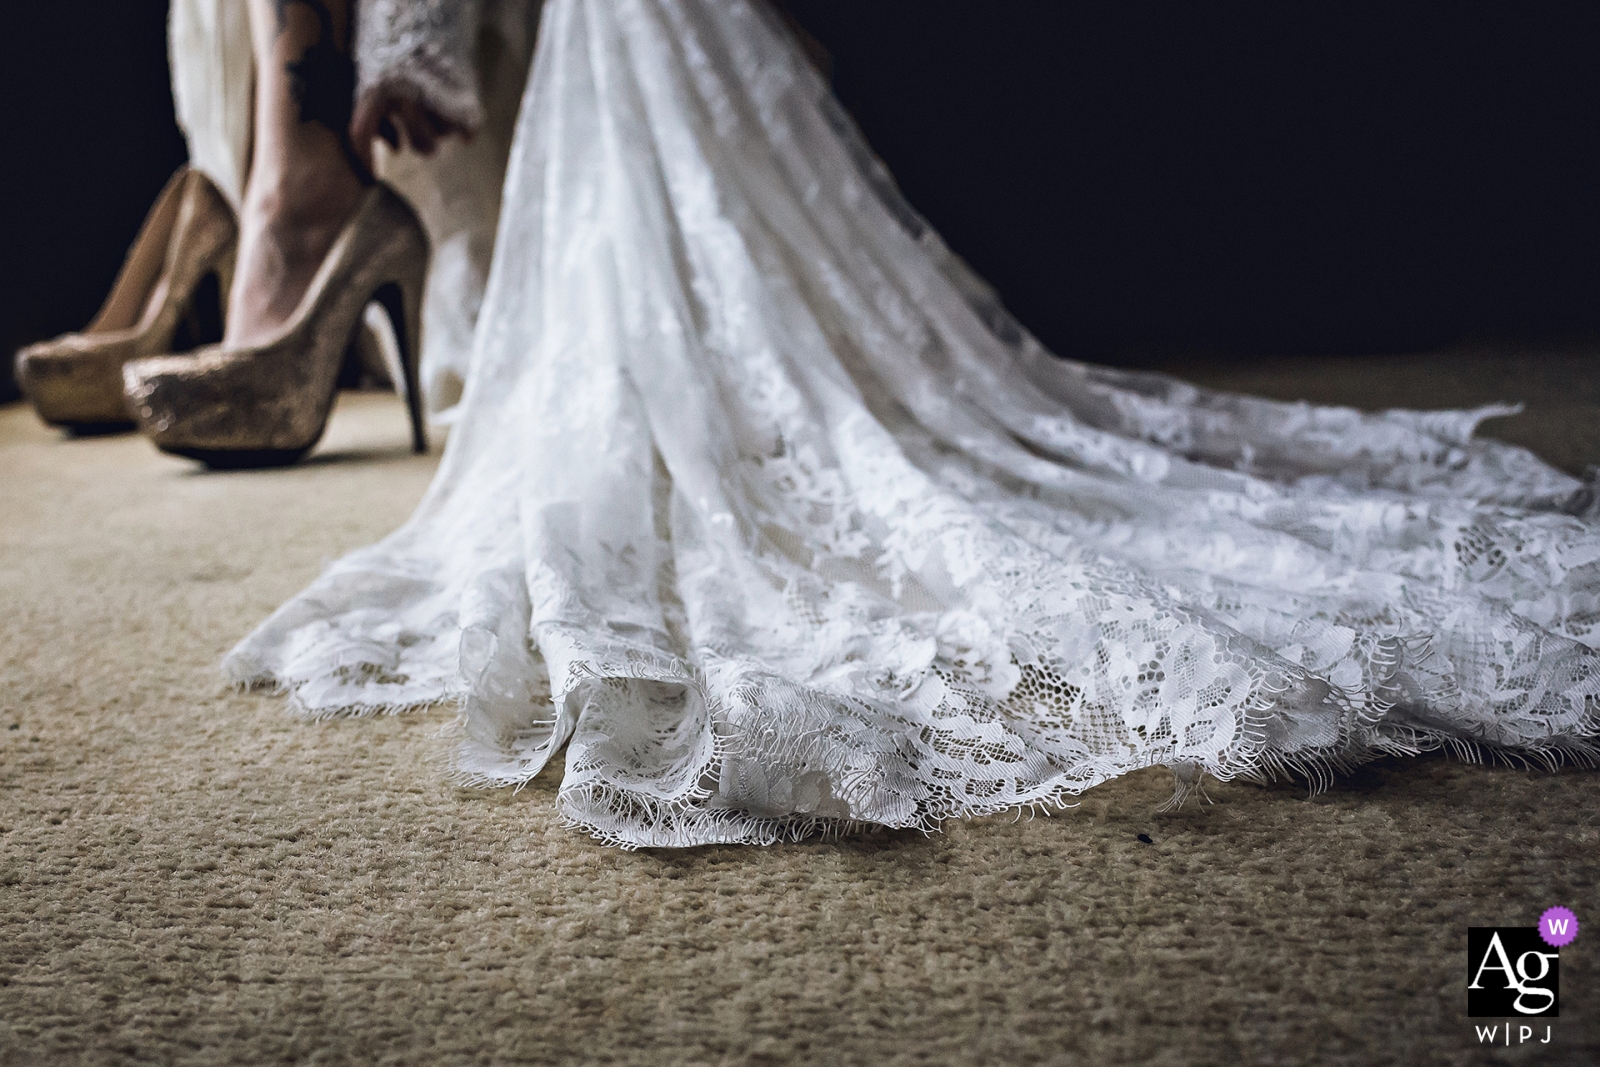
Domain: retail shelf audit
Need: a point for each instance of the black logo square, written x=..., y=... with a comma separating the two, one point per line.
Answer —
x=1511, y=972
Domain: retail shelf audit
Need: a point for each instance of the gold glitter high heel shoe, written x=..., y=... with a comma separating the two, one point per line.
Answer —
x=168, y=298
x=267, y=405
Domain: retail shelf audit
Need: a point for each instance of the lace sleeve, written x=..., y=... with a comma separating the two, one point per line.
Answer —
x=426, y=48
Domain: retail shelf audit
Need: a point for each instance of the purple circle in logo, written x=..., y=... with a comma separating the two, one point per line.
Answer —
x=1558, y=926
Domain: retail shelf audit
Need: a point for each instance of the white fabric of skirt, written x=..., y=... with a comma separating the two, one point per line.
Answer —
x=760, y=504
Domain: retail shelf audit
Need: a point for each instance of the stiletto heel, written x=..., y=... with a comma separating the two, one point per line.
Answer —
x=185, y=253
x=267, y=405
x=405, y=319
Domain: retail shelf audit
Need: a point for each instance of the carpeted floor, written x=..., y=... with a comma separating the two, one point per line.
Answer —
x=189, y=876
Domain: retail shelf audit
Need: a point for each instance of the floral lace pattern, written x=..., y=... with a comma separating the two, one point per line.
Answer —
x=762, y=507
x=426, y=48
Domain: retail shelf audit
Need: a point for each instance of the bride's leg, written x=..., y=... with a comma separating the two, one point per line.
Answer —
x=304, y=183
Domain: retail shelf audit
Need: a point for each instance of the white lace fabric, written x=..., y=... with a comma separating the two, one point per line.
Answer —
x=760, y=504
x=423, y=49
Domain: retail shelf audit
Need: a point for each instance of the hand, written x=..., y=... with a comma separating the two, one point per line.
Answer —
x=393, y=110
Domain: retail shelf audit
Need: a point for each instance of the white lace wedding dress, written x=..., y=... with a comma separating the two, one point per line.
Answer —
x=761, y=506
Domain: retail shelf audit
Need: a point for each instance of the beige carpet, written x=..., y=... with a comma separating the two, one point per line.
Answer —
x=189, y=876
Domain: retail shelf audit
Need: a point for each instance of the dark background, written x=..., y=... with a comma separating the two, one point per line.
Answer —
x=1137, y=180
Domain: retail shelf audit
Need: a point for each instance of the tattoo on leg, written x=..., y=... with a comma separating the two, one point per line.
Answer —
x=323, y=80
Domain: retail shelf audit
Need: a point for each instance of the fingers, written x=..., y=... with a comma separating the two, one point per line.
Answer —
x=367, y=122
x=421, y=133
x=425, y=128
x=393, y=114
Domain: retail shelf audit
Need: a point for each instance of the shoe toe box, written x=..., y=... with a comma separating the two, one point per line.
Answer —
x=74, y=380
x=179, y=400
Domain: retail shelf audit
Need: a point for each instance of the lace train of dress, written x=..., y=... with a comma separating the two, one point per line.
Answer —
x=761, y=505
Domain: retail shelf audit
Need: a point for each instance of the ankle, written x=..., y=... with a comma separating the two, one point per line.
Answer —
x=302, y=200
x=318, y=188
